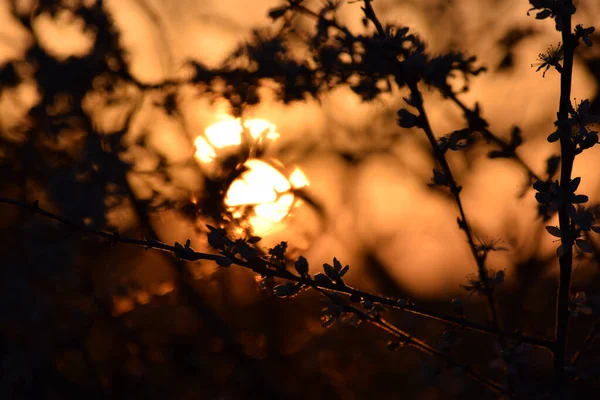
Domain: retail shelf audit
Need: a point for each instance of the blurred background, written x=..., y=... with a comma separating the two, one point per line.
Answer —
x=105, y=120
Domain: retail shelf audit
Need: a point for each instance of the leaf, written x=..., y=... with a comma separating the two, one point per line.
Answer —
x=337, y=264
x=277, y=12
x=301, y=266
x=574, y=184
x=331, y=272
x=580, y=198
x=540, y=186
x=406, y=119
x=287, y=290
x=216, y=239
x=248, y=252
x=554, y=136
x=186, y=252
x=584, y=107
x=279, y=250
x=254, y=239
x=554, y=231
x=543, y=197
x=344, y=270
x=322, y=278
x=543, y=14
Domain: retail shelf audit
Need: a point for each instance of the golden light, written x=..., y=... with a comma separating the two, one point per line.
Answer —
x=225, y=133
x=298, y=179
x=257, y=127
x=267, y=190
x=228, y=132
x=263, y=187
x=258, y=185
x=204, y=151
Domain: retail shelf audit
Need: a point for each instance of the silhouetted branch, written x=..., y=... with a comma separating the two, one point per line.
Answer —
x=267, y=269
x=417, y=102
x=406, y=339
x=490, y=136
x=567, y=150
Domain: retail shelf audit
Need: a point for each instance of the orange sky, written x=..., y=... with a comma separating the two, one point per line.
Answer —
x=383, y=203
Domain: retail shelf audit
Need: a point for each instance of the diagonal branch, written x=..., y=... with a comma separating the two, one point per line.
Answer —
x=370, y=14
x=454, y=188
x=407, y=339
x=264, y=268
x=488, y=135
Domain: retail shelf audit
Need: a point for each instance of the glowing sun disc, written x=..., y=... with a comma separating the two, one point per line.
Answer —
x=263, y=187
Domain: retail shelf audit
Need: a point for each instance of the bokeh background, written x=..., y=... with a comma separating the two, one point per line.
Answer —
x=83, y=318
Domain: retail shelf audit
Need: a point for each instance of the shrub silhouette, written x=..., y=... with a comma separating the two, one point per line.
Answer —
x=71, y=328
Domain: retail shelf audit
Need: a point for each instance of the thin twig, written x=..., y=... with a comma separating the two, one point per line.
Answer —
x=567, y=158
x=409, y=340
x=262, y=267
x=488, y=135
x=380, y=31
x=454, y=188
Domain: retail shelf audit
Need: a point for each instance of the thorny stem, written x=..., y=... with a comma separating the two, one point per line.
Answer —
x=567, y=158
x=407, y=339
x=263, y=267
x=455, y=189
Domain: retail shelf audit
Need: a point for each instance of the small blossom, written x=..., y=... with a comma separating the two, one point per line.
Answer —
x=550, y=59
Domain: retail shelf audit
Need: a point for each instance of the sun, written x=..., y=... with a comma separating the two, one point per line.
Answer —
x=264, y=188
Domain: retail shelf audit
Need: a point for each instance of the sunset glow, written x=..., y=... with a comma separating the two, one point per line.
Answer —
x=264, y=187
x=228, y=132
